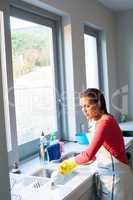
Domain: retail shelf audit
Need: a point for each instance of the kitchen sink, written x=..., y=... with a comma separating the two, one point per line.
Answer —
x=47, y=172
x=47, y=169
x=18, y=181
x=44, y=172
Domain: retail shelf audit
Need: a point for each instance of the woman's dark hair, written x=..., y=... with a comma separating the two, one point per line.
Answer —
x=95, y=97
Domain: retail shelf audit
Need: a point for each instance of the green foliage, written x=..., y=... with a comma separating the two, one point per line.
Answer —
x=32, y=39
x=30, y=48
x=42, y=62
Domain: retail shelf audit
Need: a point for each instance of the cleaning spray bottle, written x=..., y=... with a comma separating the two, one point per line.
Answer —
x=43, y=153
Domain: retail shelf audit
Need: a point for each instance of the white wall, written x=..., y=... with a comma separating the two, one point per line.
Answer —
x=125, y=56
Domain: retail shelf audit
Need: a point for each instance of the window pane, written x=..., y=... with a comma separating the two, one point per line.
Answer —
x=33, y=74
x=91, y=61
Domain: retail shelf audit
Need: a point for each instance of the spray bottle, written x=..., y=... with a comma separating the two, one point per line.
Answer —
x=43, y=153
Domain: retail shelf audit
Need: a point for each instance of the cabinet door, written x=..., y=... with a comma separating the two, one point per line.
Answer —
x=129, y=152
x=88, y=195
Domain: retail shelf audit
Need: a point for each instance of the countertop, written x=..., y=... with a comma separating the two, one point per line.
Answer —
x=128, y=141
x=60, y=192
x=28, y=188
x=33, y=164
x=126, y=126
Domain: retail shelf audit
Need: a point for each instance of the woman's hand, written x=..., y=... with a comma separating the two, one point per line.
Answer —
x=67, y=166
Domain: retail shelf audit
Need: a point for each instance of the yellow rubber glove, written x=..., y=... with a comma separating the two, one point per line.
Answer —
x=67, y=166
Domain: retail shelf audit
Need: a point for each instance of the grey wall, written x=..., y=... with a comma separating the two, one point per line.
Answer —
x=4, y=179
x=124, y=26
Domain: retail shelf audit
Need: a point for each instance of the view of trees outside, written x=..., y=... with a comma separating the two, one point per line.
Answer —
x=30, y=48
x=33, y=73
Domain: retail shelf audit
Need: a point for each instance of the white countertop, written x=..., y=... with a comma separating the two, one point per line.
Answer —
x=126, y=126
x=75, y=147
x=25, y=189
x=60, y=192
x=128, y=141
x=33, y=165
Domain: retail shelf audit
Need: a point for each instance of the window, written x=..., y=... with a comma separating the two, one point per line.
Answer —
x=92, y=57
x=34, y=88
x=35, y=57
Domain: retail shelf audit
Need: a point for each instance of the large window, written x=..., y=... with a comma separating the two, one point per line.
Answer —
x=33, y=74
x=35, y=67
x=92, y=57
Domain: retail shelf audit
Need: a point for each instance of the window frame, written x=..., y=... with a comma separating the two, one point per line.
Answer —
x=98, y=35
x=31, y=13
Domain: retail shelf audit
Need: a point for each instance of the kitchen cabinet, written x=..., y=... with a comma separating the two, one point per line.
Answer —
x=127, y=130
x=85, y=191
x=129, y=150
x=87, y=196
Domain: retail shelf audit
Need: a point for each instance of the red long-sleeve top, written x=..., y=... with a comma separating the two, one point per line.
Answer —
x=108, y=134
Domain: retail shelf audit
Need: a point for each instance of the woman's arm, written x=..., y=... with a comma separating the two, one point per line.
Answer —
x=103, y=128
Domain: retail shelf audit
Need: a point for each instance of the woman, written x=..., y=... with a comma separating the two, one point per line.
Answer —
x=113, y=172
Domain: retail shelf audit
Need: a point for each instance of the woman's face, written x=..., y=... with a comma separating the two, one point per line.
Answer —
x=91, y=111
